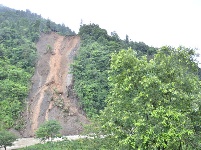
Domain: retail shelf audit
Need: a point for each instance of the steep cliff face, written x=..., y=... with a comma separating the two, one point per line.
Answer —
x=51, y=95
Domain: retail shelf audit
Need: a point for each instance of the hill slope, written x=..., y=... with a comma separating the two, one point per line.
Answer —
x=51, y=95
x=19, y=32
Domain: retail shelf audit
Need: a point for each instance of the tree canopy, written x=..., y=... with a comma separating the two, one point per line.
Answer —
x=154, y=104
x=7, y=138
x=49, y=129
x=90, y=67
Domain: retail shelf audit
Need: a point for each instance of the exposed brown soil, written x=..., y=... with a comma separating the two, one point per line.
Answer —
x=51, y=96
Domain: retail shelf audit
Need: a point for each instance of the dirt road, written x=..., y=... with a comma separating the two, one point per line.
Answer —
x=24, y=142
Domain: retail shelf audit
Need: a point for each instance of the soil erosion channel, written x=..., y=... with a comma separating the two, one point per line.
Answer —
x=51, y=96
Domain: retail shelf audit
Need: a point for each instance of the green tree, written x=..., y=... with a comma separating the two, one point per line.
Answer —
x=91, y=65
x=49, y=129
x=91, y=77
x=154, y=104
x=127, y=39
x=6, y=139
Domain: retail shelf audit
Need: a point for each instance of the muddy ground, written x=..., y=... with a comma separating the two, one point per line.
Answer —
x=51, y=95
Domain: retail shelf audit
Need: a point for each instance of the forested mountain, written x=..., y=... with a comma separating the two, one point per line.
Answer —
x=142, y=97
x=149, y=97
x=92, y=64
x=19, y=32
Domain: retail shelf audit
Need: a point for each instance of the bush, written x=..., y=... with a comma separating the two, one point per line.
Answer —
x=6, y=138
x=49, y=129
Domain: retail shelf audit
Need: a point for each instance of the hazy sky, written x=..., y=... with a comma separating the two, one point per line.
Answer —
x=155, y=22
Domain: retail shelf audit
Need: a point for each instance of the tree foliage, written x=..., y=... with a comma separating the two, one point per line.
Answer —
x=6, y=139
x=154, y=104
x=49, y=129
x=90, y=67
x=91, y=77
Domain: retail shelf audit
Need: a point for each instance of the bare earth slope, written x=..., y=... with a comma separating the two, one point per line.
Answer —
x=51, y=95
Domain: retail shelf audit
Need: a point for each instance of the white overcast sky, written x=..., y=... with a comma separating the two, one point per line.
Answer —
x=155, y=22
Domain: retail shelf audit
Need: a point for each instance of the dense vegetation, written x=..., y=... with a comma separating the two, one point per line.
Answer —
x=19, y=31
x=91, y=65
x=142, y=97
x=154, y=104
x=152, y=97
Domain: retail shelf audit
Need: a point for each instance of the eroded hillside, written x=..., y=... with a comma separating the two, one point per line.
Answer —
x=51, y=95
